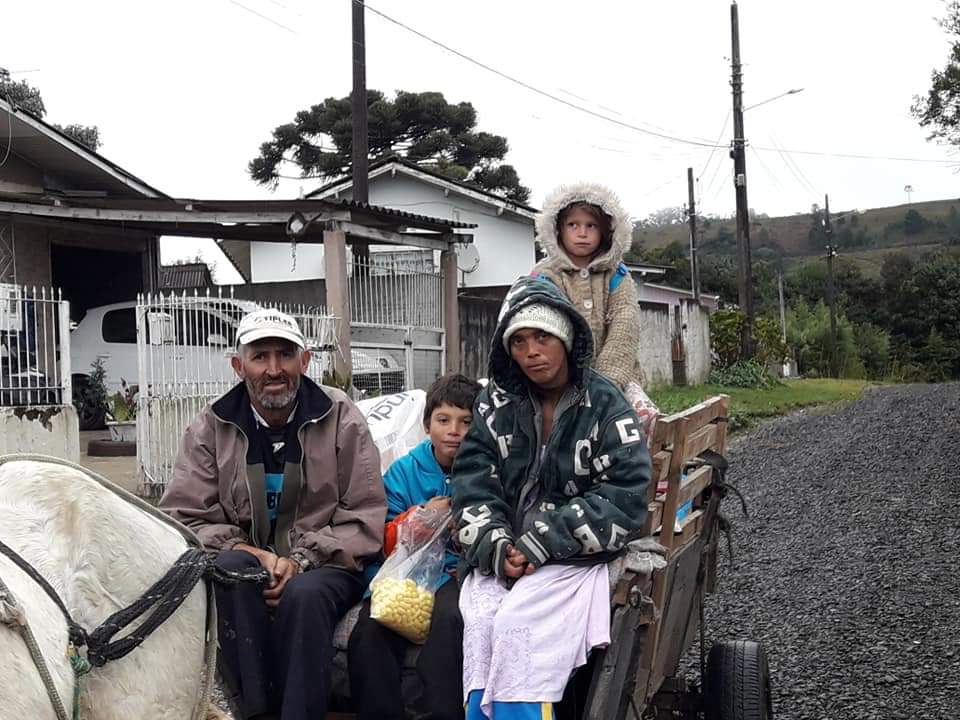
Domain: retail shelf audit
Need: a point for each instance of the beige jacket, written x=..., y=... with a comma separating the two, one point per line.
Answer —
x=332, y=507
x=614, y=317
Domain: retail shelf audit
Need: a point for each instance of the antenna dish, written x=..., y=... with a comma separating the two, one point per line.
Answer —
x=468, y=258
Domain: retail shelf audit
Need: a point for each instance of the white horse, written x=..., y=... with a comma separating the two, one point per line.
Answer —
x=100, y=552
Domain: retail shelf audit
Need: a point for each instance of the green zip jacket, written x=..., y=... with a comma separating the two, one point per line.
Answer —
x=585, y=496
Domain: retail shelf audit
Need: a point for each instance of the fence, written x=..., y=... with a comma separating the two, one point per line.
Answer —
x=184, y=346
x=397, y=338
x=388, y=290
x=34, y=363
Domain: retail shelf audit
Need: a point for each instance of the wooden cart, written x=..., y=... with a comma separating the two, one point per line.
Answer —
x=657, y=617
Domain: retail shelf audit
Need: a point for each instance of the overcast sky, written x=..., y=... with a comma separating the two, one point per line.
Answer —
x=185, y=92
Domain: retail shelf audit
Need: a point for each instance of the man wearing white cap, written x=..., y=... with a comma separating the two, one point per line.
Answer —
x=281, y=472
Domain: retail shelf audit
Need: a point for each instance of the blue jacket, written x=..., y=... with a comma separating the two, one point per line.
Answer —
x=414, y=479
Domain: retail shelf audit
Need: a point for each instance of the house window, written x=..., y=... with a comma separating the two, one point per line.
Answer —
x=120, y=326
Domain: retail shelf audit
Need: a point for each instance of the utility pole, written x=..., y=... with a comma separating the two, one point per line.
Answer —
x=358, y=116
x=783, y=314
x=694, y=261
x=738, y=153
x=358, y=106
x=831, y=295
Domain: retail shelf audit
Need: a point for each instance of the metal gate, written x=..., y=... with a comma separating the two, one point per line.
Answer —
x=184, y=346
x=396, y=328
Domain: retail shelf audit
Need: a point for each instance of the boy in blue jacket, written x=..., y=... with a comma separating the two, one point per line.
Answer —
x=421, y=478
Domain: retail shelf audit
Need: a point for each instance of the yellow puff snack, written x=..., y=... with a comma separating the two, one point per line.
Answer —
x=403, y=606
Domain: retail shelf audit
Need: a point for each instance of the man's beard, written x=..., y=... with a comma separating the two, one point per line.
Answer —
x=274, y=401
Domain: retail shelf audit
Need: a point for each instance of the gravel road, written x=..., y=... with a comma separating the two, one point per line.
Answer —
x=847, y=568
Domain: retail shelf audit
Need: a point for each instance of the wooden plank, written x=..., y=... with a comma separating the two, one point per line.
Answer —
x=676, y=466
x=696, y=482
x=675, y=611
x=690, y=527
x=661, y=466
x=703, y=413
x=702, y=439
x=654, y=512
x=663, y=434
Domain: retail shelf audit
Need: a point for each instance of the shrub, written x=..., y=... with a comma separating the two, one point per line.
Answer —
x=745, y=374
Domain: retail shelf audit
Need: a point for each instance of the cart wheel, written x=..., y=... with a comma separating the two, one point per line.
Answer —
x=737, y=683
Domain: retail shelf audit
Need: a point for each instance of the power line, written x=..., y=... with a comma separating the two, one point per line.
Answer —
x=264, y=17
x=795, y=170
x=664, y=136
x=857, y=156
x=766, y=169
x=538, y=91
x=723, y=129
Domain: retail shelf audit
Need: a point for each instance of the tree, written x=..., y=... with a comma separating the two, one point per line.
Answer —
x=939, y=110
x=421, y=127
x=23, y=95
x=914, y=223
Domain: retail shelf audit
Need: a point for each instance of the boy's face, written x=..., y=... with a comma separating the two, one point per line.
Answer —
x=447, y=427
x=580, y=234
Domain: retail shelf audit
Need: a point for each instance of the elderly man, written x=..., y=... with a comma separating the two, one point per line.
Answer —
x=283, y=473
x=550, y=483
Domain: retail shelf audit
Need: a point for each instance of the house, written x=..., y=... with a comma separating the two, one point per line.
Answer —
x=93, y=264
x=503, y=244
x=648, y=292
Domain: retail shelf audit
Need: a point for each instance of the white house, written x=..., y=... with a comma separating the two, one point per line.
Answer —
x=502, y=241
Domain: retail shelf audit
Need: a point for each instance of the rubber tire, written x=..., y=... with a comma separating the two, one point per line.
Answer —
x=110, y=448
x=737, y=682
x=88, y=417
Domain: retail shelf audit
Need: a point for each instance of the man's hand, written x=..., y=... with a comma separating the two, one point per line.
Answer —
x=515, y=564
x=283, y=571
x=267, y=559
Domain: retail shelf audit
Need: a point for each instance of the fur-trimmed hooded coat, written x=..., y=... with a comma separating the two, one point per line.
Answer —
x=614, y=317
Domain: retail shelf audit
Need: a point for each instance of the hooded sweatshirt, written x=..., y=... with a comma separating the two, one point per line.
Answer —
x=413, y=480
x=581, y=497
x=613, y=316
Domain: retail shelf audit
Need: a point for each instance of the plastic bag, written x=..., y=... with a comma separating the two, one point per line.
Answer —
x=402, y=592
x=395, y=422
x=645, y=408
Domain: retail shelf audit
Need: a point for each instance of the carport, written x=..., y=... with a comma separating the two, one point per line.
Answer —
x=335, y=224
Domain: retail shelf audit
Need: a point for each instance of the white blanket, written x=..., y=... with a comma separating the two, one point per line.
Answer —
x=523, y=644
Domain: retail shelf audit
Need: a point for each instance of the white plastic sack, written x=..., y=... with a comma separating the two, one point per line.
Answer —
x=395, y=422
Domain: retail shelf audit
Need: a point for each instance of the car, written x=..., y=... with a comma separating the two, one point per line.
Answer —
x=188, y=341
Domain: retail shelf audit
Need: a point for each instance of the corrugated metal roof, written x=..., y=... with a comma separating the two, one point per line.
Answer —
x=188, y=275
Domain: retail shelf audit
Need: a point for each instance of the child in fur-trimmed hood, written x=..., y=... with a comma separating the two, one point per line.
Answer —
x=585, y=232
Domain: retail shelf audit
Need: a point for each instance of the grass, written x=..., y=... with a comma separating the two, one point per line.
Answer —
x=748, y=405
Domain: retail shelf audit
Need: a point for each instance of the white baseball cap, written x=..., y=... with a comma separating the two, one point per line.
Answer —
x=261, y=324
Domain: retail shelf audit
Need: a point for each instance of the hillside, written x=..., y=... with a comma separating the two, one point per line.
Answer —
x=863, y=236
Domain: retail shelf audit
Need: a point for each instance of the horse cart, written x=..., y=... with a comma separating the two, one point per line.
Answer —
x=658, y=591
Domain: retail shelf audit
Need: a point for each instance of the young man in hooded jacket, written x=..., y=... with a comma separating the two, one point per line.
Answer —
x=549, y=485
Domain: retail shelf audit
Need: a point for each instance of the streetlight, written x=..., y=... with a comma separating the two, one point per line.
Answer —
x=794, y=91
x=908, y=189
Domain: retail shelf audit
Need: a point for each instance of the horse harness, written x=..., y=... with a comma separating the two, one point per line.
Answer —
x=161, y=600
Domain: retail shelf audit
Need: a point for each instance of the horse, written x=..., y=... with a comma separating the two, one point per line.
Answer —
x=100, y=549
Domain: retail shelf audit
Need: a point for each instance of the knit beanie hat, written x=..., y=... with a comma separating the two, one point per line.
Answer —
x=541, y=317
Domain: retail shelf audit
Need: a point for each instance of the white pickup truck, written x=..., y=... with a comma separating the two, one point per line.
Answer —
x=198, y=338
